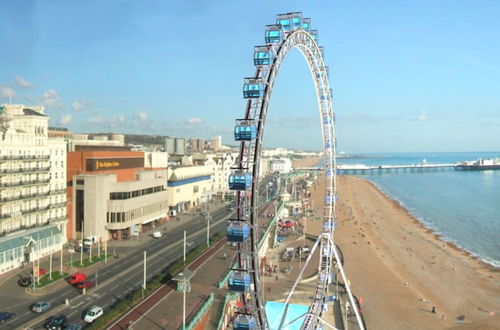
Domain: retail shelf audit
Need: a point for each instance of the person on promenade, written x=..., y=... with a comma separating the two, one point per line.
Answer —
x=433, y=310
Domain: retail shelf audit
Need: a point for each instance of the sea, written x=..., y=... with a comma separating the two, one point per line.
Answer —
x=463, y=207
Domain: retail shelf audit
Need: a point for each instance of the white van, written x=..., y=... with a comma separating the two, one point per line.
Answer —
x=157, y=234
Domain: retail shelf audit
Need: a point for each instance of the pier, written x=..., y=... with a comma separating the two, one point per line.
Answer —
x=365, y=169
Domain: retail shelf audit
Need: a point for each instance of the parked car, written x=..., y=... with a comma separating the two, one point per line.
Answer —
x=57, y=323
x=25, y=281
x=85, y=284
x=79, y=249
x=92, y=314
x=41, y=272
x=6, y=316
x=40, y=307
x=76, y=278
x=157, y=234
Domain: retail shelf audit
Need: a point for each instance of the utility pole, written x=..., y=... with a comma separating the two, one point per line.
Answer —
x=81, y=251
x=209, y=217
x=184, y=246
x=184, y=306
x=144, y=280
x=61, y=262
x=106, y=251
x=50, y=265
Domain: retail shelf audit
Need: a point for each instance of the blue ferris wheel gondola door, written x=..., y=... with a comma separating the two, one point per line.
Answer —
x=253, y=88
x=244, y=322
x=240, y=181
x=263, y=56
x=289, y=21
x=245, y=131
x=273, y=34
x=239, y=282
x=237, y=232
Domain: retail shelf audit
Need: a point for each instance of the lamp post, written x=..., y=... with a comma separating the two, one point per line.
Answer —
x=208, y=217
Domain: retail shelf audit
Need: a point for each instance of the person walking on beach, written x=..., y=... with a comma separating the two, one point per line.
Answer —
x=433, y=311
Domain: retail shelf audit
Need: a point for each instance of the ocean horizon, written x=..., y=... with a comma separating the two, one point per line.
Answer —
x=462, y=207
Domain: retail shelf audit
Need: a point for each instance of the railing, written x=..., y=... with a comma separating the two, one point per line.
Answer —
x=56, y=219
x=25, y=170
x=57, y=205
x=23, y=183
x=25, y=157
x=34, y=210
x=24, y=197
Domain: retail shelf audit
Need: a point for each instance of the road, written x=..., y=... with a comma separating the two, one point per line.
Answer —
x=111, y=288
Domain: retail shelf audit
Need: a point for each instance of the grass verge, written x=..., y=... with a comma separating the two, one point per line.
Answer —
x=86, y=262
x=46, y=279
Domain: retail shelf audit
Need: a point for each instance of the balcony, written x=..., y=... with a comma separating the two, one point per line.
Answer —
x=4, y=185
x=24, y=157
x=34, y=210
x=24, y=197
x=24, y=170
x=57, y=205
x=57, y=219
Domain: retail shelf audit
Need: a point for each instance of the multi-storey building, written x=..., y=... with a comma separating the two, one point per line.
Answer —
x=221, y=165
x=32, y=187
x=216, y=143
x=175, y=145
x=196, y=145
x=115, y=193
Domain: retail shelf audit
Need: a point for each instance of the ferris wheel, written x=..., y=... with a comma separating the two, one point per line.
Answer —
x=290, y=31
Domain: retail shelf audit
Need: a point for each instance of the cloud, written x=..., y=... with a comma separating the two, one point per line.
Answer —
x=95, y=120
x=116, y=121
x=7, y=92
x=194, y=120
x=65, y=119
x=80, y=105
x=141, y=115
x=50, y=99
x=423, y=116
x=22, y=82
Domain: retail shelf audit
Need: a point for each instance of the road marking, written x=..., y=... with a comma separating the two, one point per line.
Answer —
x=114, y=287
x=73, y=312
x=75, y=306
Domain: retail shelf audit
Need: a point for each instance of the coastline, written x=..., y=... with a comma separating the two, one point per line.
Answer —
x=401, y=268
x=440, y=236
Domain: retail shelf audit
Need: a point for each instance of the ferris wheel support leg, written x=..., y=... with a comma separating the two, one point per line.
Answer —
x=346, y=283
x=287, y=301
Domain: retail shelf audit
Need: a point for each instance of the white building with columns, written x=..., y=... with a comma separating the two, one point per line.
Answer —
x=32, y=187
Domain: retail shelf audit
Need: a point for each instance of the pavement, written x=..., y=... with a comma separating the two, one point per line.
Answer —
x=16, y=299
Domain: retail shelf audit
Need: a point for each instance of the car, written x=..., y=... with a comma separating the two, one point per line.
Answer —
x=92, y=314
x=76, y=278
x=157, y=234
x=41, y=272
x=6, y=316
x=79, y=249
x=41, y=307
x=57, y=323
x=85, y=284
x=25, y=281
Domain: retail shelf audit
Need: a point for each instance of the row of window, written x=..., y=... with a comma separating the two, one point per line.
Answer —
x=16, y=253
x=135, y=193
x=113, y=217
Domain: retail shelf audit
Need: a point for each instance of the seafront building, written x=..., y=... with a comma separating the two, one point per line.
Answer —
x=175, y=145
x=189, y=187
x=32, y=187
x=280, y=165
x=113, y=194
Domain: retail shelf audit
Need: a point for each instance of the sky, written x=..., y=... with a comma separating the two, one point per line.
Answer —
x=407, y=76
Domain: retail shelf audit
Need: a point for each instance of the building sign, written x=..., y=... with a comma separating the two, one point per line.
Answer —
x=106, y=164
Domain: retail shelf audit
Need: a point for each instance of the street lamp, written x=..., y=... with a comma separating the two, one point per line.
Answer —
x=208, y=217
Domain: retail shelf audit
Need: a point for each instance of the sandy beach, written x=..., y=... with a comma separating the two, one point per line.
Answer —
x=402, y=269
